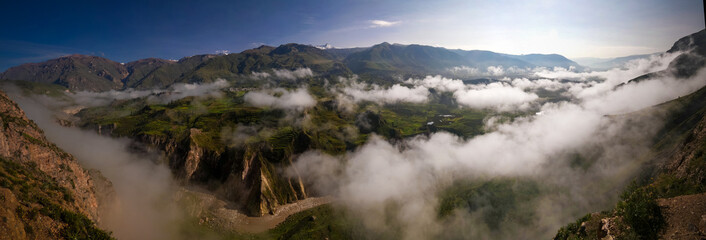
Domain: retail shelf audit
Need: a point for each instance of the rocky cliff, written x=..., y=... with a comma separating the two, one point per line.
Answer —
x=35, y=174
x=246, y=175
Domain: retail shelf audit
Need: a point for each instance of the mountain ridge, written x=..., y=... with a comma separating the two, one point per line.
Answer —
x=92, y=73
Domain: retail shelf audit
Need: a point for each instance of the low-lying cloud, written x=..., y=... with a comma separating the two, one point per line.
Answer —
x=144, y=207
x=410, y=174
x=284, y=74
x=497, y=95
x=175, y=92
x=297, y=99
x=357, y=92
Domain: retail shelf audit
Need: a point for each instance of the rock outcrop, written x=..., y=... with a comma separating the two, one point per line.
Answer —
x=44, y=192
x=23, y=141
x=246, y=176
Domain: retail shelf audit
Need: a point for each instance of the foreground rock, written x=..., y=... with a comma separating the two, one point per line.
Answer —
x=45, y=194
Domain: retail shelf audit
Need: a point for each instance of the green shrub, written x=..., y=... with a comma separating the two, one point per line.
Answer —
x=640, y=211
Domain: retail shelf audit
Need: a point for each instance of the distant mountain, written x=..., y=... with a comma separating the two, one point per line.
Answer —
x=483, y=59
x=389, y=58
x=342, y=53
x=609, y=63
x=76, y=72
x=419, y=59
x=91, y=73
x=140, y=69
x=289, y=56
x=546, y=60
x=160, y=75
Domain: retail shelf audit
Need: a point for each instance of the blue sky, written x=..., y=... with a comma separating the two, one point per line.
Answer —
x=34, y=31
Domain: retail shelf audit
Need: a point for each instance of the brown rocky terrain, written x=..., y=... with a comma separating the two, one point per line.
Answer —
x=38, y=177
x=219, y=214
x=242, y=176
x=685, y=217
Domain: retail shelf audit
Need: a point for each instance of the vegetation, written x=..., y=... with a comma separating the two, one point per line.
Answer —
x=39, y=194
x=499, y=199
x=637, y=214
x=322, y=222
x=639, y=209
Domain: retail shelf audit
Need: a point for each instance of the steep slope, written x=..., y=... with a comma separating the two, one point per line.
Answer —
x=142, y=68
x=694, y=57
x=76, y=72
x=44, y=191
x=674, y=175
x=691, y=59
x=674, y=180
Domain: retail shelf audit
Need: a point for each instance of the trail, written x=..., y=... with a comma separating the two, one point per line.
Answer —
x=216, y=213
x=685, y=216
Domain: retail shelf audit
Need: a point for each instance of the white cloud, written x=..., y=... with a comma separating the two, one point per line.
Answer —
x=465, y=71
x=182, y=90
x=635, y=96
x=293, y=75
x=383, y=23
x=548, y=84
x=409, y=175
x=439, y=83
x=496, y=70
x=280, y=98
x=498, y=95
x=259, y=75
x=175, y=92
x=495, y=95
x=397, y=93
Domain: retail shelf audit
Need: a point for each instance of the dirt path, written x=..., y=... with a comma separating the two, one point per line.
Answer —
x=685, y=217
x=216, y=213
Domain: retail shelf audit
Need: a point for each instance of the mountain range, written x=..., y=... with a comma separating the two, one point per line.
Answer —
x=248, y=174
x=92, y=73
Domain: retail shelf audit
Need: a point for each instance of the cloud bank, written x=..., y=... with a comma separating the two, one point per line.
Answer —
x=284, y=74
x=280, y=98
x=497, y=95
x=407, y=176
x=397, y=93
x=175, y=92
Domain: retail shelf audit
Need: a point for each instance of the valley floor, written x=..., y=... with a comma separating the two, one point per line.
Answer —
x=219, y=214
